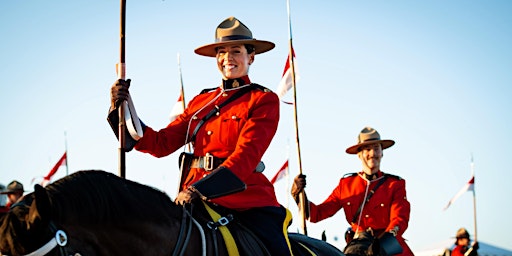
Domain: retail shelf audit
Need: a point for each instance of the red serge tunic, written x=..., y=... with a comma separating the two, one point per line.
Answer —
x=459, y=250
x=387, y=208
x=241, y=133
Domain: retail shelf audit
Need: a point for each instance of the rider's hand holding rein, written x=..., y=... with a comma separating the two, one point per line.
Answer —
x=185, y=197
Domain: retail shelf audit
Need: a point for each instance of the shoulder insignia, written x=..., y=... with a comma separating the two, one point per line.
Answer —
x=260, y=87
x=208, y=90
x=350, y=174
x=393, y=176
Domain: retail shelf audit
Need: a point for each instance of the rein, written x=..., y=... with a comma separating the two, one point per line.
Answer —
x=184, y=237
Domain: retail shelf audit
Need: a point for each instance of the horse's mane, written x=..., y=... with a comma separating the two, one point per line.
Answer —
x=94, y=196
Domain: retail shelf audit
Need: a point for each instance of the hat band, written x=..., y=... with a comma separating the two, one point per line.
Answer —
x=372, y=139
x=232, y=38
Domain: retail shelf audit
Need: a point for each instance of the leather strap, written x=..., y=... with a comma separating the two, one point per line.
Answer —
x=229, y=240
x=367, y=199
x=216, y=110
x=208, y=162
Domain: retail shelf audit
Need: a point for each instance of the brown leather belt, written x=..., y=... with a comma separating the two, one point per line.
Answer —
x=208, y=162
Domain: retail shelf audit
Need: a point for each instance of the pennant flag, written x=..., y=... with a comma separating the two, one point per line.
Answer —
x=281, y=173
x=62, y=161
x=177, y=109
x=286, y=81
x=470, y=186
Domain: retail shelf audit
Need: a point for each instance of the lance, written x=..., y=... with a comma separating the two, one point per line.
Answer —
x=474, y=196
x=181, y=83
x=121, y=74
x=183, y=170
x=182, y=94
x=302, y=195
x=66, y=151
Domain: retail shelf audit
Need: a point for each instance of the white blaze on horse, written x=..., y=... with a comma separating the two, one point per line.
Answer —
x=97, y=213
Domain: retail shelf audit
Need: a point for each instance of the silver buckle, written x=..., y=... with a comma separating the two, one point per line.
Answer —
x=223, y=221
x=208, y=162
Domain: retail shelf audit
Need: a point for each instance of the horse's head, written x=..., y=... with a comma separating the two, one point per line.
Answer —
x=102, y=214
x=26, y=227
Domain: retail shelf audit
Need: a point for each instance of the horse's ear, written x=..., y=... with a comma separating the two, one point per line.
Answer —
x=42, y=201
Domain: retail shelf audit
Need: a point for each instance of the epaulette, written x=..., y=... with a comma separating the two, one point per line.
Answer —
x=260, y=87
x=208, y=90
x=393, y=176
x=350, y=174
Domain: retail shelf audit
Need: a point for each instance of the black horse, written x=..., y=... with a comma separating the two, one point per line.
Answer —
x=98, y=213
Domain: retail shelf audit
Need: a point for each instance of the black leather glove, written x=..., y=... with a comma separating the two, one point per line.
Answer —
x=119, y=93
x=299, y=183
x=475, y=246
x=388, y=244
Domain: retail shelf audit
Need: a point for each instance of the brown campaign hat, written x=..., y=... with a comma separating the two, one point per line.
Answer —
x=233, y=31
x=366, y=137
x=13, y=187
x=462, y=233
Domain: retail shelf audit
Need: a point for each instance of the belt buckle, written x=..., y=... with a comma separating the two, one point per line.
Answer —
x=208, y=162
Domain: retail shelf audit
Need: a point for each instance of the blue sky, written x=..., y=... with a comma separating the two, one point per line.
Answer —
x=432, y=75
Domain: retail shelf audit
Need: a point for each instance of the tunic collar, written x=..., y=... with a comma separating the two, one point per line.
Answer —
x=371, y=177
x=234, y=83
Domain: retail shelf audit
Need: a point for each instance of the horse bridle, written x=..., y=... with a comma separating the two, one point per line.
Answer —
x=60, y=239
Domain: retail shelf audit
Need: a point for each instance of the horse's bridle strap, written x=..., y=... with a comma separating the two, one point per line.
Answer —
x=45, y=249
x=60, y=239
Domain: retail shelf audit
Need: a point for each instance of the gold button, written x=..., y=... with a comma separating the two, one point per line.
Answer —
x=233, y=117
x=381, y=205
x=224, y=95
x=209, y=132
x=366, y=216
x=194, y=117
x=348, y=203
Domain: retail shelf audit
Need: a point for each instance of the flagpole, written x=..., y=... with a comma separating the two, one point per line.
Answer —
x=302, y=195
x=66, y=151
x=474, y=197
x=121, y=73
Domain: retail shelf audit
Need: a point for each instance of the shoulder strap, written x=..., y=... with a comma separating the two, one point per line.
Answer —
x=367, y=199
x=216, y=110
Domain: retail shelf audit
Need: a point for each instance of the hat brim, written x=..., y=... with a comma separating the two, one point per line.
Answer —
x=356, y=148
x=260, y=46
x=11, y=191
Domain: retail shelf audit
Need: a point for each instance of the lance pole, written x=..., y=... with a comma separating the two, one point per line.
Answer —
x=182, y=94
x=181, y=83
x=66, y=151
x=121, y=74
x=474, y=196
x=291, y=55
